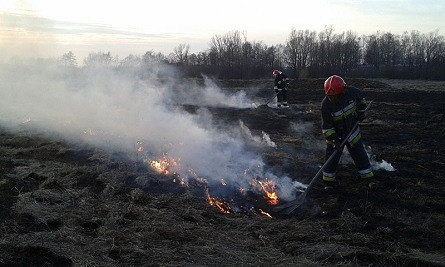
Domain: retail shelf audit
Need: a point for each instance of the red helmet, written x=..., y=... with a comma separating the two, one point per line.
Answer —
x=276, y=72
x=334, y=85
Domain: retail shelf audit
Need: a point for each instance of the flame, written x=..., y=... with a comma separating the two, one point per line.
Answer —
x=181, y=182
x=224, y=207
x=160, y=166
x=163, y=165
x=265, y=213
x=191, y=179
x=268, y=187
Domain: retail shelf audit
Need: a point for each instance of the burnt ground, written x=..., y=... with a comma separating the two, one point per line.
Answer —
x=66, y=204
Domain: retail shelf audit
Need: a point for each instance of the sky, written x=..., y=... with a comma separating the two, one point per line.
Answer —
x=50, y=28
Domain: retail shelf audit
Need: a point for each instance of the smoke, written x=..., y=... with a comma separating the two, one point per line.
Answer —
x=116, y=109
x=263, y=140
x=302, y=129
x=375, y=165
x=382, y=166
x=208, y=95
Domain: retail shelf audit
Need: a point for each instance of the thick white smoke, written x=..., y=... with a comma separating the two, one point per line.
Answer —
x=375, y=165
x=382, y=166
x=208, y=95
x=116, y=109
x=263, y=140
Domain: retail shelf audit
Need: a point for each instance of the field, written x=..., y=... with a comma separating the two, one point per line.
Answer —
x=66, y=203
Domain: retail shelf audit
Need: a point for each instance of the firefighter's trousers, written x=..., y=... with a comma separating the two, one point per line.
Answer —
x=359, y=156
x=281, y=97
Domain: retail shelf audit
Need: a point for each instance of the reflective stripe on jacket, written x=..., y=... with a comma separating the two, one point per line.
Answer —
x=281, y=81
x=339, y=118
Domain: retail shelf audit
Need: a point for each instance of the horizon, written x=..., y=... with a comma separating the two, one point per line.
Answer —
x=48, y=29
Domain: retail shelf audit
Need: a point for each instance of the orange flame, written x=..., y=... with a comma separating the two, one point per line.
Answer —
x=265, y=213
x=224, y=207
x=268, y=188
x=160, y=166
x=163, y=165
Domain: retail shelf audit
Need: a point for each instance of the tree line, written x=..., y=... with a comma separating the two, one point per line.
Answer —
x=306, y=53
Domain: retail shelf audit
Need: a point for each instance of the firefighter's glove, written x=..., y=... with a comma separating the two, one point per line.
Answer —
x=334, y=140
x=361, y=117
x=333, y=137
x=337, y=144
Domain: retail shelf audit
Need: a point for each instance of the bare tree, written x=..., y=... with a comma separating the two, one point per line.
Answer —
x=217, y=50
x=351, y=52
x=325, y=56
x=433, y=46
x=99, y=59
x=131, y=62
x=69, y=59
x=373, y=52
x=310, y=53
x=226, y=52
x=299, y=46
x=181, y=54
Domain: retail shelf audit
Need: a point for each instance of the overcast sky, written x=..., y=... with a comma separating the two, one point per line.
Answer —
x=52, y=27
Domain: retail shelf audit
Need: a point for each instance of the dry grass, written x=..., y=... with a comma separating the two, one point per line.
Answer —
x=65, y=204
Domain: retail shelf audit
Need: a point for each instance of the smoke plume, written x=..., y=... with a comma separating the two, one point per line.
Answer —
x=116, y=108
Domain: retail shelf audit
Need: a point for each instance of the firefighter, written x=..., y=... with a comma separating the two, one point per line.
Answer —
x=281, y=84
x=341, y=109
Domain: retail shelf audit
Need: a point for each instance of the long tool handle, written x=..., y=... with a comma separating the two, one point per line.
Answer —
x=300, y=199
x=288, y=207
x=273, y=97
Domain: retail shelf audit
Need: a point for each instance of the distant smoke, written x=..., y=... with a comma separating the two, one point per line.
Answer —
x=116, y=109
x=209, y=95
x=263, y=140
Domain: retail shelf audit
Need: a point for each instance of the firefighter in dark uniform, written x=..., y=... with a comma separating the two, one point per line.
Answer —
x=341, y=109
x=281, y=84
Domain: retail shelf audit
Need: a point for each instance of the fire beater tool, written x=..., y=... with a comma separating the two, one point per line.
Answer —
x=271, y=99
x=279, y=115
x=289, y=207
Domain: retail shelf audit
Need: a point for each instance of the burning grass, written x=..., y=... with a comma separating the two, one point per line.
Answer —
x=68, y=204
x=258, y=196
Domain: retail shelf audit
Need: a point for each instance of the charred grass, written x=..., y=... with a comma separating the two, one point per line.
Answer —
x=67, y=204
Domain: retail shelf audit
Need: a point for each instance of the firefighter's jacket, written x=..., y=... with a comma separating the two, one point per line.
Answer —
x=281, y=82
x=339, y=118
